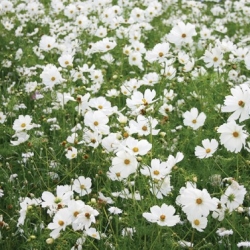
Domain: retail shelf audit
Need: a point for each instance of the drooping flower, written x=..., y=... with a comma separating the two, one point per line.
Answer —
x=71, y=153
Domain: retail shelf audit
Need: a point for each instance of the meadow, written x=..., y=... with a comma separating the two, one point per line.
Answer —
x=124, y=124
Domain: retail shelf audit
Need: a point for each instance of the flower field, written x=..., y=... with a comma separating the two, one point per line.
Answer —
x=124, y=124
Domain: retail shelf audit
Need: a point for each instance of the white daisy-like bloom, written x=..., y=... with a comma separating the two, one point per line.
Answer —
x=238, y=103
x=135, y=59
x=208, y=149
x=71, y=153
x=233, y=137
x=47, y=43
x=182, y=33
x=23, y=123
x=82, y=185
x=163, y=216
x=213, y=57
x=233, y=196
x=51, y=76
x=60, y=221
x=97, y=121
x=66, y=60
x=196, y=202
x=193, y=119
x=198, y=222
x=123, y=164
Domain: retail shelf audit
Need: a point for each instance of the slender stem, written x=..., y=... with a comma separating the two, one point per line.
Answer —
x=192, y=238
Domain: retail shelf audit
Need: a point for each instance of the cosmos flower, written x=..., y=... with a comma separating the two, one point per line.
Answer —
x=209, y=147
x=233, y=196
x=51, y=76
x=163, y=216
x=182, y=33
x=196, y=202
x=60, y=221
x=233, y=137
x=238, y=103
x=193, y=119
x=82, y=185
x=198, y=222
x=23, y=123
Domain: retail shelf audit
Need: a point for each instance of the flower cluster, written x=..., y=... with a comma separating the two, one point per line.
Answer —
x=121, y=117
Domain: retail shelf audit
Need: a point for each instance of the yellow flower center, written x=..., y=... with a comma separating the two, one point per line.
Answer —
x=75, y=213
x=241, y=104
x=183, y=35
x=156, y=172
x=208, y=150
x=161, y=54
x=162, y=217
x=216, y=59
x=144, y=128
x=126, y=161
x=135, y=149
x=61, y=223
x=196, y=222
x=53, y=78
x=199, y=201
x=235, y=134
x=23, y=125
x=96, y=123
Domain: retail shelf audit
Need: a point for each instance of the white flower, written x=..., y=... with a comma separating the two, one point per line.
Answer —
x=51, y=76
x=115, y=210
x=163, y=216
x=60, y=221
x=193, y=119
x=209, y=147
x=234, y=196
x=82, y=185
x=182, y=33
x=198, y=222
x=71, y=153
x=2, y=117
x=196, y=202
x=233, y=137
x=238, y=103
x=23, y=123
